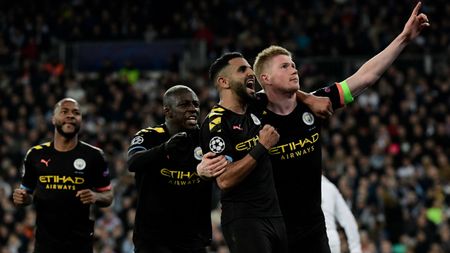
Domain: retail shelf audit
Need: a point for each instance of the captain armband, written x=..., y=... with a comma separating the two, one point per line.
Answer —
x=257, y=151
x=348, y=98
x=23, y=187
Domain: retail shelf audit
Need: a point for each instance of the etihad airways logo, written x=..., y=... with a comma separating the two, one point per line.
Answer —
x=295, y=149
x=53, y=179
x=55, y=182
x=181, y=178
x=247, y=145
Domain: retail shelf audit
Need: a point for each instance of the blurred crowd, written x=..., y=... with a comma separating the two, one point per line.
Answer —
x=388, y=152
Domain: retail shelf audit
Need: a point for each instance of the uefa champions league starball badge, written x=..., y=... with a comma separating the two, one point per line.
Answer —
x=217, y=144
x=137, y=140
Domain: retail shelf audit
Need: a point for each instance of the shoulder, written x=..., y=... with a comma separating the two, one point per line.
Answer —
x=214, y=119
x=91, y=147
x=92, y=151
x=149, y=136
x=39, y=148
x=151, y=131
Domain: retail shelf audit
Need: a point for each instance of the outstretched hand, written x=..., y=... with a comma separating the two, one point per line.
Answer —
x=416, y=23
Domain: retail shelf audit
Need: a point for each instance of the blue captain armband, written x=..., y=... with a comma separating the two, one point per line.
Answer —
x=348, y=98
x=229, y=158
x=26, y=188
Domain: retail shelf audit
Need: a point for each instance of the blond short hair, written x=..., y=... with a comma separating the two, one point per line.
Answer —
x=265, y=56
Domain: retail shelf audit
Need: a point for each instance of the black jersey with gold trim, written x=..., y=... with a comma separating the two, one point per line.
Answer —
x=175, y=203
x=55, y=177
x=233, y=135
x=297, y=161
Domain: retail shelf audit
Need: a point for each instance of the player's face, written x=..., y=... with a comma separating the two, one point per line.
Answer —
x=243, y=79
x=67, y=119
x=185, y=110
x=283, y=74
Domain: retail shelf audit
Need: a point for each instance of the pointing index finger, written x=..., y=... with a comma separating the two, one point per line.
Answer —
x=417, y=8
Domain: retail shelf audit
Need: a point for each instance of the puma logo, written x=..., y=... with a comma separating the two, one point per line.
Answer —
x=45, y=162
x=237, y=127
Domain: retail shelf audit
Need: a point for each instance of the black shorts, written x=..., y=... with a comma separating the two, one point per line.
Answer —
x=313, y=239
x=86, y=247
x=256, y=235
x=157, y=248
x=64, y=236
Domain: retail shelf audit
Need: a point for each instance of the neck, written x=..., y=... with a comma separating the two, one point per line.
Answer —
x=282, y=103
x=63, y=144
x=172, y=128
x=233, y=103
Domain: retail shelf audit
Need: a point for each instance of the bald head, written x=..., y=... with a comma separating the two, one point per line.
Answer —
x=62, y=101
x=173, y=92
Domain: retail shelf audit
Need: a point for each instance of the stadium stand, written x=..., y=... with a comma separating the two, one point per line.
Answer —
x=388, y=152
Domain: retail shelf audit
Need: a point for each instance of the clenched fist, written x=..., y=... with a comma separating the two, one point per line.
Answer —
x=177, y=145
x=268, y=136
x=21, y=197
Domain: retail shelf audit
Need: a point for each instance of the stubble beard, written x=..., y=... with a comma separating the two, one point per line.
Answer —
x=70, y=135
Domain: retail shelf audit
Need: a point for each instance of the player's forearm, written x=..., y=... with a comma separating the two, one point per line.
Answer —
x=236, y=172
x=142, y=159
x=302, y=96
x=104, y=199
x=372, y=70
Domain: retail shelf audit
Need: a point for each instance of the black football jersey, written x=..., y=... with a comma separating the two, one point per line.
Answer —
x=55, y=178
x=174, y=202
x=233, y=135
x=297, y=161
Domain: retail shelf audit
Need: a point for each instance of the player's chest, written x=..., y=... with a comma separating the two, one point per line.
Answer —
x=299, y=136
x=297, y=123
x=244, y=128
x=51, y=164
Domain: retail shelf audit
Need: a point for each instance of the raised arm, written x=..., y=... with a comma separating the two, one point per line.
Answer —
x=372, y=70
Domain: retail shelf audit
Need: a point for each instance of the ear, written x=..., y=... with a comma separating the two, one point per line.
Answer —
x=265, y=77
x=166, y=111
x=223, y=82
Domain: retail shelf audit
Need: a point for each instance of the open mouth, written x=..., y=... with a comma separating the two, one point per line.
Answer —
x=250, y=83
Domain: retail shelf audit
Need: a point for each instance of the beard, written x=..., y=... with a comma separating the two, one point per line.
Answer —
x=240, y=90
x=69, y=135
